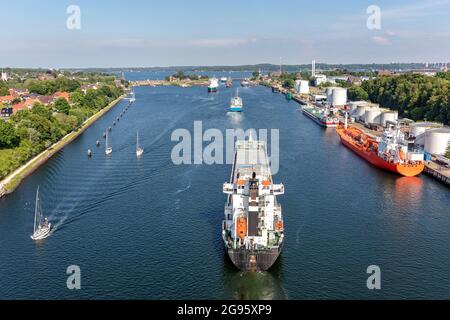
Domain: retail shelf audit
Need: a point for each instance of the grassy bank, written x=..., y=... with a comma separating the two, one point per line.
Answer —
x=13, y=180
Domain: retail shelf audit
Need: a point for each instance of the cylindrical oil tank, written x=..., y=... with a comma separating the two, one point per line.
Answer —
x=304, y=87
x=388, y=116
x=437, y=140
x=360, y=112
x=419, y=128
x=329, y=93
x=372, y=115
x=339, y=97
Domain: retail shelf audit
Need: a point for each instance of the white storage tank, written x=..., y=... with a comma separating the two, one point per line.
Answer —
x=388, y=116
x=329, y=94
x=360, y=112
x=419, y=128
x=372, y=115
x=339, y=97
x=437, y=140
x=302, y=86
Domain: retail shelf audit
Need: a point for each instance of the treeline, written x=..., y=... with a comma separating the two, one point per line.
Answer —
x=180, y=75
x=415, y=96
x=48, y=87
x=29, y=132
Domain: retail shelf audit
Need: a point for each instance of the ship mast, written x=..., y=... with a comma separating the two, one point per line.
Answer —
x=37, y=210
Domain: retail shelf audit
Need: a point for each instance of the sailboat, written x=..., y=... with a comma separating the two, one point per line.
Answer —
x=108, y=149
x=41, y=228
x=139, y=149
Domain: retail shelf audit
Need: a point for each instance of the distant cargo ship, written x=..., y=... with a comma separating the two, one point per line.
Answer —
x=253, y=230
x=213, y=85
x=391, y=152
x=322, y=116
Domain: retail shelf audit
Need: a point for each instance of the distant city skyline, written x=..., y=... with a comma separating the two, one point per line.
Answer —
x=203, y=33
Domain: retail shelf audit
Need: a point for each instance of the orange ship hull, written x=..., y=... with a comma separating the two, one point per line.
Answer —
x=407, y=170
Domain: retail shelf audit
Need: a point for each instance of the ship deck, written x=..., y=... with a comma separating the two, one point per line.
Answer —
x=251, y=157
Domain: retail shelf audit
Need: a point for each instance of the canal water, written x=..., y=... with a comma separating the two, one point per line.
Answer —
x=148, y=229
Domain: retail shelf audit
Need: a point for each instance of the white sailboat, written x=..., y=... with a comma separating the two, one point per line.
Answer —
x=41, y=228
x=108, y=149
x=139, y=149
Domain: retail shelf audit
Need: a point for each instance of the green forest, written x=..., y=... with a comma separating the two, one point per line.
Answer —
x=29, y=132
x=415, y=96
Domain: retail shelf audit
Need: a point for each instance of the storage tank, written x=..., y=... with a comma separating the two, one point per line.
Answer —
x=388, y=116
x=419, y=128
x=437, y=140
x=360, y=112
x=329, y=94
x=339, y=97
x=302, y=86
x=372, y=115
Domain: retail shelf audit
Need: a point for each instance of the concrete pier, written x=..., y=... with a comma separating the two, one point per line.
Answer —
x=438, y=172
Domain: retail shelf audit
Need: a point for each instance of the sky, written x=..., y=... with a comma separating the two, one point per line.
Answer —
x=146, y=33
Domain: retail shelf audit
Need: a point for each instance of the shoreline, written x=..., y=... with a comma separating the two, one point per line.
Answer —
x=10, y=183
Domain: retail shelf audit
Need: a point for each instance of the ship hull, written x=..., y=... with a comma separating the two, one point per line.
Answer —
x=319, y=121
x=236, y=109
x=254, y=260
x=212, y=89
x=371, y=157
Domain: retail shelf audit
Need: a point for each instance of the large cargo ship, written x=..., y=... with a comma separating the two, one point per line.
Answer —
x=393, y=151
x=322, y=116
x=253, y=230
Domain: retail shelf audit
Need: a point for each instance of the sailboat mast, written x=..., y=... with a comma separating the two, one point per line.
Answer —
x=36, y=211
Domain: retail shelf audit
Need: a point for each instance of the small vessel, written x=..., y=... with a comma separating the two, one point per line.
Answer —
x=393, y=151
x=253, y=229
x=323, y=116
x=229, y=83
x=97, y=143
x=108, y=148
x=223, y=79
x=42, y=228
x=114, y=123
x=139, y=149
x=288, y=95
x=133, y=97
x=245, y=83
x=213, y=85
x=236, y=104
x=89, y=153
x=104, y=135
x=109, y=128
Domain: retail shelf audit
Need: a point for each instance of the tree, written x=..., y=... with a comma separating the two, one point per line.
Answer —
x=4, y=90
x=62, y=106
x=357, y=93
x=8, y=135
x=289, y=83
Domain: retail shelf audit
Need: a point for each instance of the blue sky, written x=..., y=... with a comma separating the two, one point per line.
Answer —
x=229, y=32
